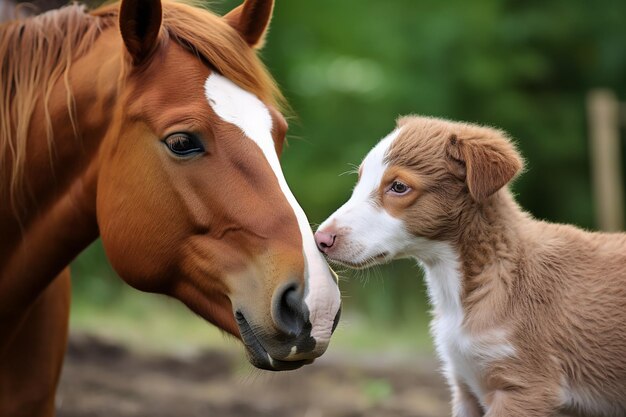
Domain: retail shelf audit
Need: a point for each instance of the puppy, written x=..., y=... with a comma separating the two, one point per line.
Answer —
x=529, y=318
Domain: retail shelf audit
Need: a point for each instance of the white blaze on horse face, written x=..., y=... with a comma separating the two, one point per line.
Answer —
x=364, y=229
x=244, y=110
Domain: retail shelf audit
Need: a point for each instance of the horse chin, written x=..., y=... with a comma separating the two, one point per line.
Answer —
x=258, y=355
x=262, y=360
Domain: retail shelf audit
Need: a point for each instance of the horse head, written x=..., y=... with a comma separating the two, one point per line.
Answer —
x=191, y=200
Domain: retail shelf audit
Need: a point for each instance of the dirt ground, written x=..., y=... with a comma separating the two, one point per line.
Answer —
x=101, y=378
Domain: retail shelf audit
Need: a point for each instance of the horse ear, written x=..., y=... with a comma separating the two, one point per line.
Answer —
x=251, y=20
x=486, y=163
x=140, y=22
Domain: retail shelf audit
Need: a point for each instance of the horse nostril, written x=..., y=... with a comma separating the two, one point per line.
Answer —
x=324, y=240
x=288, y=306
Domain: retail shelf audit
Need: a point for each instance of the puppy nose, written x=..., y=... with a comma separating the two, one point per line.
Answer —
x=324, y=240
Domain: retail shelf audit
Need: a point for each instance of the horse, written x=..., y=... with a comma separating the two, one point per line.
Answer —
x=155, y=127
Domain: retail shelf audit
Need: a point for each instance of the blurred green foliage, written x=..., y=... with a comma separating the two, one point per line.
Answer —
x=350, y=67
x=377, y=390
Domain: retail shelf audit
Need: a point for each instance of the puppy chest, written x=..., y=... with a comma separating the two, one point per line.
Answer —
x=466, y=356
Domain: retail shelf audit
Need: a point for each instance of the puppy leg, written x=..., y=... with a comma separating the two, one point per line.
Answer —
x=464, y=403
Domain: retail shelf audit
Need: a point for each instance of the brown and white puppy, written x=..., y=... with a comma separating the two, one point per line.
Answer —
x=529, y=317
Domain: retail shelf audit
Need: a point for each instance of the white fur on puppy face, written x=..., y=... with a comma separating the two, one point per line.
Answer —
x=366, y=232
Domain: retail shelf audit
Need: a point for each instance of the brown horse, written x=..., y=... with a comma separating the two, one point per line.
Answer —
x=155, y=127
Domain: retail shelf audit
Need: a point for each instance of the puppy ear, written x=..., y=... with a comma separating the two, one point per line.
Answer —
x=251, y=20
x=486, y=163
x=140, y=22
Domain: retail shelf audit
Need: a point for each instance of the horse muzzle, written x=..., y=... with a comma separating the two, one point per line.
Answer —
x=289, y=324
x=290, y=343
x=259, y=355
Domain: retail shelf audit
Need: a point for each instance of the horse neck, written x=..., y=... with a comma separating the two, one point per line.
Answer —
x=57, y=219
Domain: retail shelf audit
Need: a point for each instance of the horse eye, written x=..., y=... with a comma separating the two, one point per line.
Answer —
x=183, y=144
x=400, y=188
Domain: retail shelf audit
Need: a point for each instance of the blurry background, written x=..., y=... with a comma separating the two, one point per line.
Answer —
x=349, y=68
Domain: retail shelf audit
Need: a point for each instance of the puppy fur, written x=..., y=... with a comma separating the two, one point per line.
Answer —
x=529, y=317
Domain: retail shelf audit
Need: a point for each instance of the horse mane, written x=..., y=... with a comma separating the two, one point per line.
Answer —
x=36, y=53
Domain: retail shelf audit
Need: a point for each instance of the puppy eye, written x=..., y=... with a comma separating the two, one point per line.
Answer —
x=183, y=144
x=399, y=188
